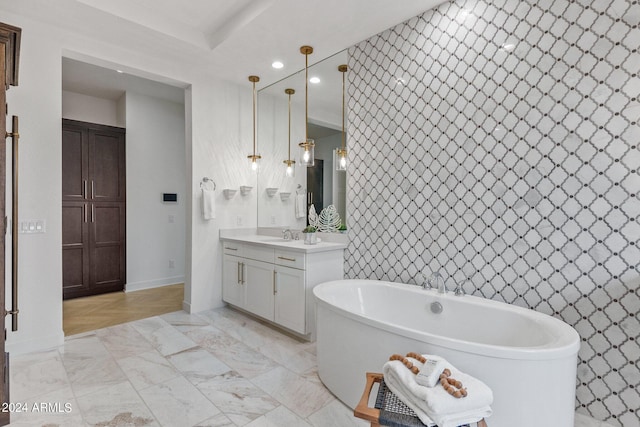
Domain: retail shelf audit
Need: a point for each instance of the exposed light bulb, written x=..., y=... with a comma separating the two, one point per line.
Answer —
x=305, y=156
x=289, y=171
x=254, y=165
x=343, y=162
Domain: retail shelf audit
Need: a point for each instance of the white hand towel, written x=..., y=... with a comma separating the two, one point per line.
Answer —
x=435, y=405
x=301, y=206
x=208, y=204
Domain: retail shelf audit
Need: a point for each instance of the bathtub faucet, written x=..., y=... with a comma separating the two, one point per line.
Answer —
x=437, y=281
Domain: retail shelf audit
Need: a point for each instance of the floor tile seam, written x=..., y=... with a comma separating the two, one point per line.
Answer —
x=144, y=402
x=330, y=402
x=180, y=374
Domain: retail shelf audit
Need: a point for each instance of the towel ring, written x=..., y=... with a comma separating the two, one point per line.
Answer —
x=206, y=180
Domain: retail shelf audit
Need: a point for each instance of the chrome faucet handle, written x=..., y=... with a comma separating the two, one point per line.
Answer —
x=459, y=289
x=425, y=281
x=436, y=281
x=286, y=234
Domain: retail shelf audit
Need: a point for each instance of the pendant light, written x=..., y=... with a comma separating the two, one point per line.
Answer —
x=341, y=153
x=291, y=164
x=308, y=145
x=255, y=158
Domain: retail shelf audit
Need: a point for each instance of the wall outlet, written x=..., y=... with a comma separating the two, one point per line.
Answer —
x=172, y=263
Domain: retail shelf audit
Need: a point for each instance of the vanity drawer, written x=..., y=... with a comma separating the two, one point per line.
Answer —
x=290, y=259
x=258, y=253
x=232, y=248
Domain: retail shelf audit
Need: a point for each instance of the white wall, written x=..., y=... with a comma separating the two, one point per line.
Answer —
x=155, y=165
x=218, y=137
x=77, y=106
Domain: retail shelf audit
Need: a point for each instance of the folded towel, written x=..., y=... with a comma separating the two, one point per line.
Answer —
x=435, y=405
x=301, y=206
x=208, y=204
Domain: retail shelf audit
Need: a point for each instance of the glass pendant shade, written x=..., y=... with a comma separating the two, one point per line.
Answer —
x=341, y=159
x=307, y=152
x=290, y=171
x=255, y=162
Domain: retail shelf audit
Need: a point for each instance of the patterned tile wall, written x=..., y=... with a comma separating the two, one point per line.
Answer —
x=500, y=139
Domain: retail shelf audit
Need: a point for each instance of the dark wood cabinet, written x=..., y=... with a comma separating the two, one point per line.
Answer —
x=93, y=209
x=93, y=162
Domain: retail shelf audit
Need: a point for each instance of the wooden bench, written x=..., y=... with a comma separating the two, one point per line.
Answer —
x=381, y=415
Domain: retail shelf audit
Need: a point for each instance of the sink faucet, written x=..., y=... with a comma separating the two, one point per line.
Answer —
x=286, y=234
x=437, y=281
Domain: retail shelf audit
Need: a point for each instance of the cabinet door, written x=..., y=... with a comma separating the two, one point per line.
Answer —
x=107, y=165
x=75, y=162
x=259, y=288
x=75, y=249
x=290, y=302
x=107, y=237
x=232, y=287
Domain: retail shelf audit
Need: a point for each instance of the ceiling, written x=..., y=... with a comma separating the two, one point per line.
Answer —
x=227, y=39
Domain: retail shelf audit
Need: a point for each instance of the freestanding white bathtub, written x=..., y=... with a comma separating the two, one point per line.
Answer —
x=528, y=359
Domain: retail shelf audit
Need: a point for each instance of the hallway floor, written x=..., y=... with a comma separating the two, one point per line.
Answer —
x=217, y=368
x=101, y=311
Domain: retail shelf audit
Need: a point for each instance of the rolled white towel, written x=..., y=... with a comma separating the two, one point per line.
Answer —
x=435, y=405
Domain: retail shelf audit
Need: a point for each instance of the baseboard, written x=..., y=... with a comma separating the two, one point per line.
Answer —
x=186, y=307
x=150, y=284
x=34, y=345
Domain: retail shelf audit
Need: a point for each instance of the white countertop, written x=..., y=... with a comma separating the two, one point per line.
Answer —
x=280, y=243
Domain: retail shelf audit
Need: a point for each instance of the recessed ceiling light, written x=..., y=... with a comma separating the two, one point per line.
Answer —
x=314, y=80
x=277, y=65
x=119, y=71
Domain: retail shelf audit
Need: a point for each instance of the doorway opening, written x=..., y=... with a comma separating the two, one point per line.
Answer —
x=151, y=115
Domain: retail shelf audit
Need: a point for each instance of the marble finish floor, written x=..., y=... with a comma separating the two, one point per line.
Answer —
x=217, y=368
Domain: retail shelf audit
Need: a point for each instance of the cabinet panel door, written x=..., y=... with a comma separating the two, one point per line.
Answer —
x=75, y=161
x=232, y=287
x=290, y=302
x=75, y=249
x=259, y=288
x=107, y=165
x=107, y=221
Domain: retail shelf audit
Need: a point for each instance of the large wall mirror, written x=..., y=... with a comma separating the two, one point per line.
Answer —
x=283, y=201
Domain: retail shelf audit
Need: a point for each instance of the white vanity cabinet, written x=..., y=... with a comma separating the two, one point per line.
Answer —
x=259, y=288
x=289, y=307
x=275, y=282
x=232, y=278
